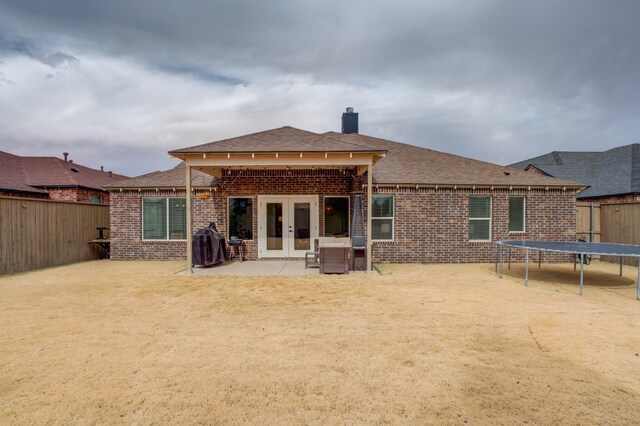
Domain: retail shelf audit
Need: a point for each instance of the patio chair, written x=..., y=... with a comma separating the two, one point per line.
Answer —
x=312, y=258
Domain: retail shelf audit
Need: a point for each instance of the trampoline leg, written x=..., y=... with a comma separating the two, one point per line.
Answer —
x=620, y=265
x=526, y=268
x=575, y=260
x=581, y=274
x=509, y=263
x=495, y=258
x=500, y=261
x=539, y=257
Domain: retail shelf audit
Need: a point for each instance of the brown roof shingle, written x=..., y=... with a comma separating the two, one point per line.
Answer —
x=283, y=139
x=403, y=163
x=50, y=172
x=12, y=177
x=175, y=177
x=409, y=164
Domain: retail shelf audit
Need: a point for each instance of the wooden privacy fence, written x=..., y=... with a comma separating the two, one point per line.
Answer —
x=40, y=233
x=584, y=222
x=620, y=223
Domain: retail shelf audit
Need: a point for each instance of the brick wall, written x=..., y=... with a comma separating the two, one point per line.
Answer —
x=77, y=194
x=126, y=216
x=430, y=225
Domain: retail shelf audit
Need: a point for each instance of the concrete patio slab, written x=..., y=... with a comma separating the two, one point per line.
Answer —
x=260, y=267
x=257, y=267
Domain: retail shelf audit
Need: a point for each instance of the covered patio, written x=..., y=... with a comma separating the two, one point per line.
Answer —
x=294, y=153
x=259, y=267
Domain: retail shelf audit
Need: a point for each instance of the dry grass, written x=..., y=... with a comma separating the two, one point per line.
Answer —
x=120, y=343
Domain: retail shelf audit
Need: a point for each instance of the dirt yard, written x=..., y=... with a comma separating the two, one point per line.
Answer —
x=132, y=343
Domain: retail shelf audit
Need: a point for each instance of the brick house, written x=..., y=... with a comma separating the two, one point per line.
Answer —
x=279, y=189
x=611, y=176
x=53, y=178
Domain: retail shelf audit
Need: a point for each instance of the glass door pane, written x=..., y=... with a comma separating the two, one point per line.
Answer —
x=302, y=226
x=274, y=226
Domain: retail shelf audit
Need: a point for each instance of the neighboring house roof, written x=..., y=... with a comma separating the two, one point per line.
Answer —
x=409, y=164
x=403, y=164
x=612, y=172
x=283, y=139
x=175, y=177
x=12, y=177
x=50, y=172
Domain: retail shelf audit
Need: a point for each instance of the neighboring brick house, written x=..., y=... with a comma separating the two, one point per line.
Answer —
x=280, y=189
x=53, y=178
x=611, y=176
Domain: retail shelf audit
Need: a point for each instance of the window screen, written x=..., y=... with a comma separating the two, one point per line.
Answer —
x=164, y=219
x=154, y=219
x=177, y=219
x=382, y=217
x=480, y=218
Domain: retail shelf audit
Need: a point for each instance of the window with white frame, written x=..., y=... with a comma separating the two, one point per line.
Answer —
x=516, y=214
x=240, y=217
x=336, y=216
x=164, y=219
x=480, y=218
x=382, y=217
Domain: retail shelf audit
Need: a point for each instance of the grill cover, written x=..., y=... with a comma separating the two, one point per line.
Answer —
x=208, y=246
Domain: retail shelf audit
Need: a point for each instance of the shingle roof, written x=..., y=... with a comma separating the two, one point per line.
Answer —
x=403, y=164
x=12, y=176
x=283, y=139
x=49, y=172
x=175, y=177
x=612, y=172
x=415, y=165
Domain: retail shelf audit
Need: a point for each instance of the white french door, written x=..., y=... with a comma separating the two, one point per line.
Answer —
x=287, y=225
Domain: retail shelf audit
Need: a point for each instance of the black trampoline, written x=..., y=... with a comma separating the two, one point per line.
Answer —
x=580, y=249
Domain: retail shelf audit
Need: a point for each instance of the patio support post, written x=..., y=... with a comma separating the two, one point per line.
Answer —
x=189, y=270
x=369, y=210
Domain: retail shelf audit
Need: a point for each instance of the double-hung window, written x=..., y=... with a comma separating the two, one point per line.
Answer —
x=164, y=219
x=241, y=218
x=382, y=217
x=480, y=218
x=516, y=214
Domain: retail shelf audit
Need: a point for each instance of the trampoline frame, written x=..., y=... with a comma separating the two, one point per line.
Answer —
x=578, y=249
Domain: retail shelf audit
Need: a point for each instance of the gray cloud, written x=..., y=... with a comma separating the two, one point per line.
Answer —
x=495, y=80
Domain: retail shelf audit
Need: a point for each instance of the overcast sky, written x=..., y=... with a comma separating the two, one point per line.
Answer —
x=119, y=83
